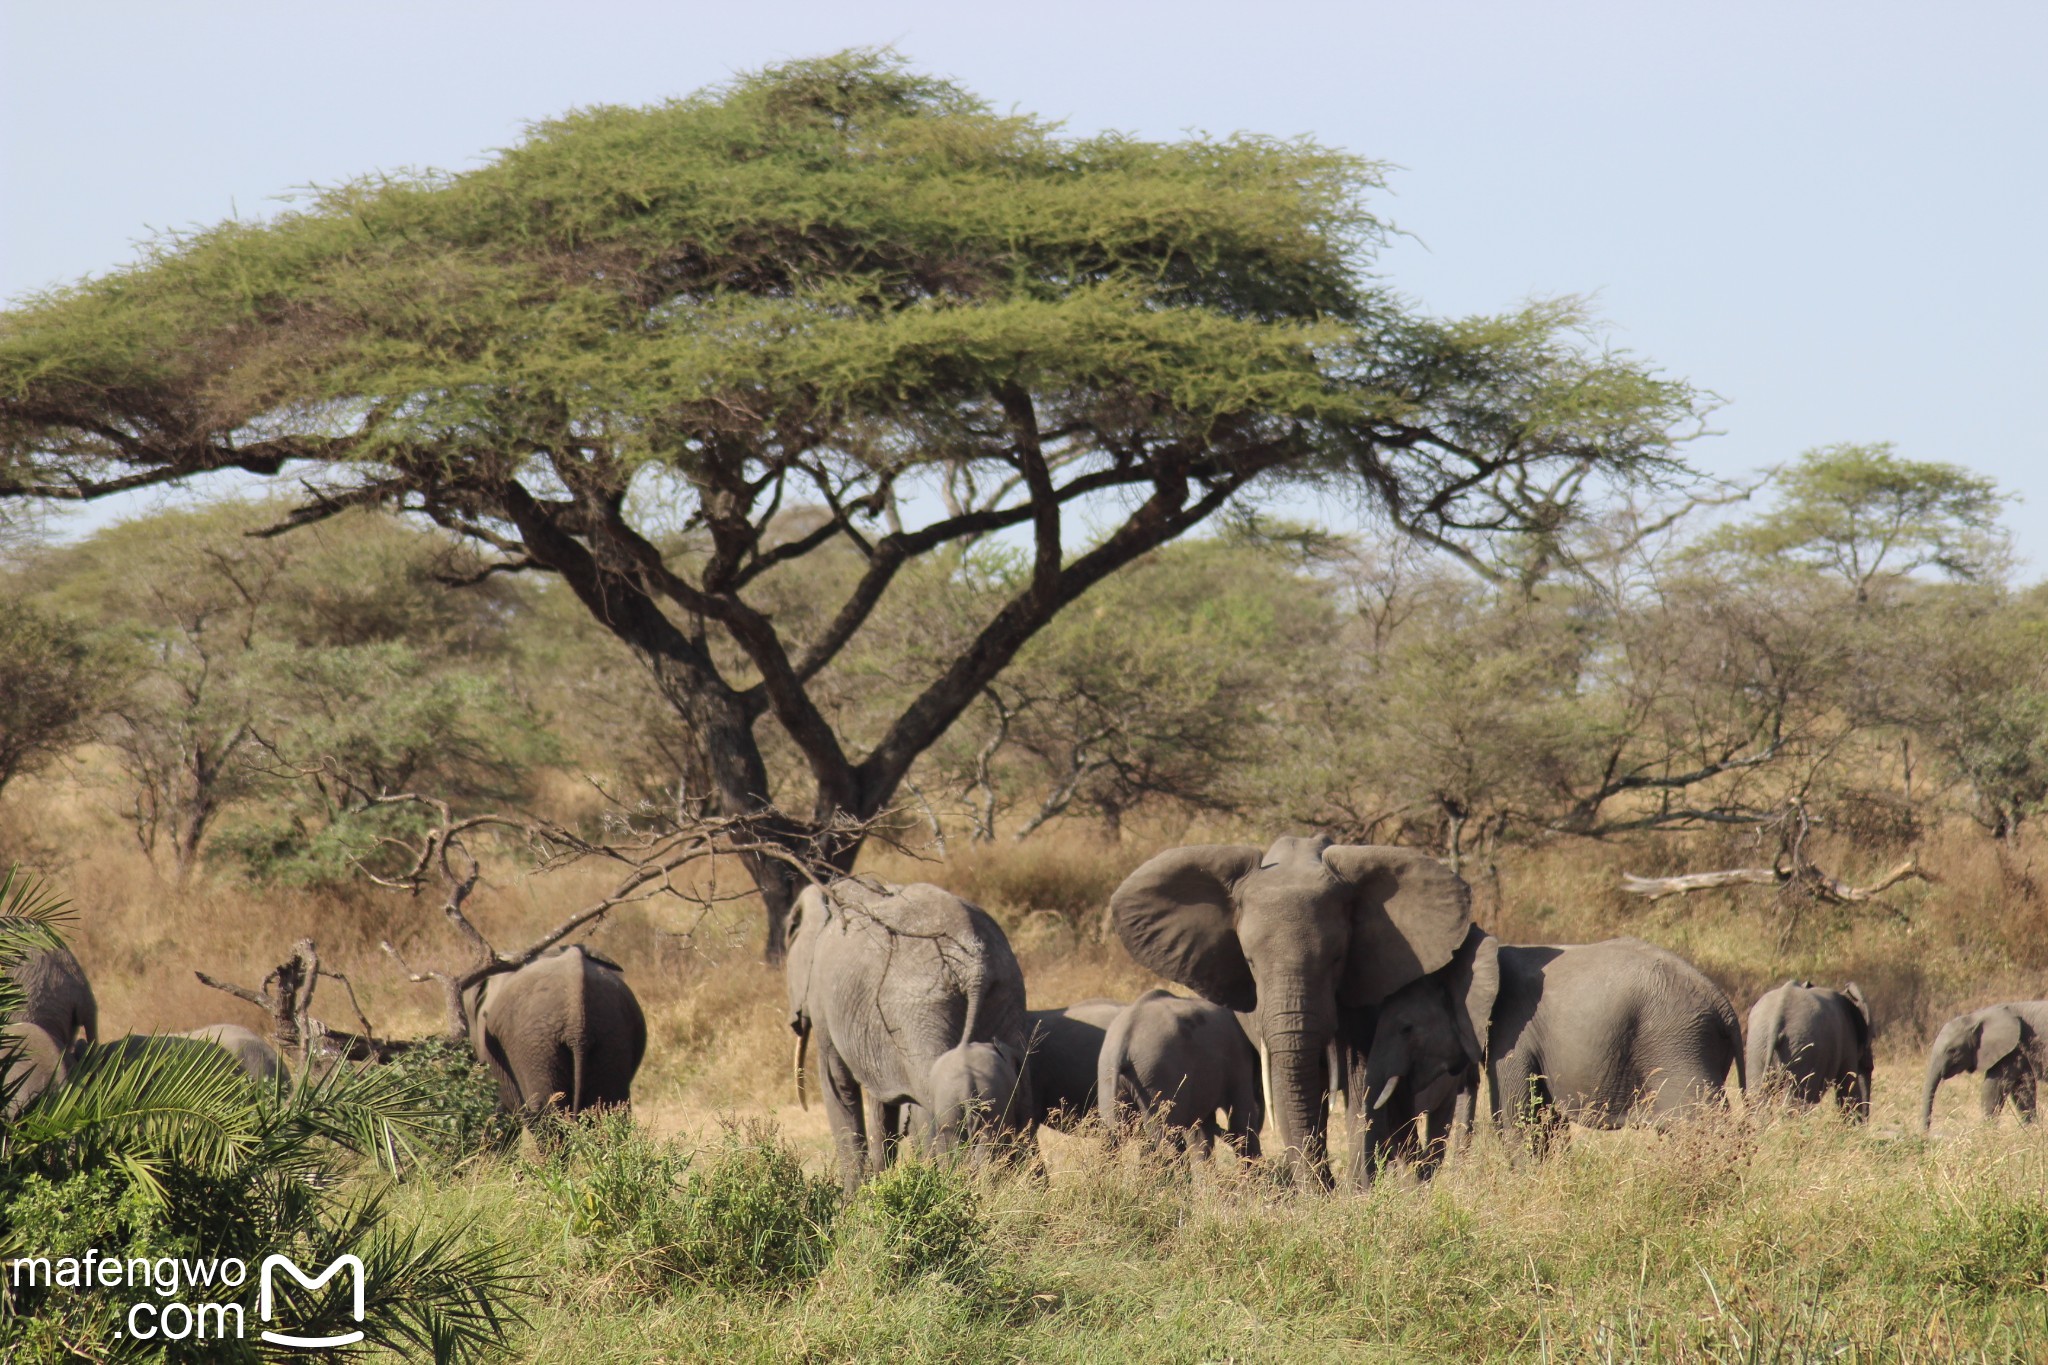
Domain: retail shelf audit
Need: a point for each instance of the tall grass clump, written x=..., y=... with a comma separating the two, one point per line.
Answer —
x=739, y=1214
x=919, y=1221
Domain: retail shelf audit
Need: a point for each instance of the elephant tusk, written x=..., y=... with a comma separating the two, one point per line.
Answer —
x=802, y=1042
x=1266, y=1076
x=1387, y=1091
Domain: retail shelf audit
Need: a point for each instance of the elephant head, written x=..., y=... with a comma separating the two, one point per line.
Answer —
x=1291, y=937
x=1429, y=1043
x=1973, y=1042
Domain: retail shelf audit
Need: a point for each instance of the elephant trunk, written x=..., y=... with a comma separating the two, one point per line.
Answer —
x=1296, y=1041
x=1942, y=1063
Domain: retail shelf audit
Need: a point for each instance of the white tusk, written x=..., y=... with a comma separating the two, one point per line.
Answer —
x=802, y=1041
x=1387, y=1091
x=1266, y=1079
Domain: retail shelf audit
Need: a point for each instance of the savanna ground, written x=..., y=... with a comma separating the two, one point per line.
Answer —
x=1785, y=1238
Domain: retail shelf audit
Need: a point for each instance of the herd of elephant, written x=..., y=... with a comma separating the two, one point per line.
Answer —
x=1322, y=973
x=563, y=1031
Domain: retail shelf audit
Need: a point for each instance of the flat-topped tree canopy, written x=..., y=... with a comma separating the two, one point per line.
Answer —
x=840, y=284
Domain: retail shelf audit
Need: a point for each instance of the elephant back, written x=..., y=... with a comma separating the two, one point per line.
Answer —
x=928, y=953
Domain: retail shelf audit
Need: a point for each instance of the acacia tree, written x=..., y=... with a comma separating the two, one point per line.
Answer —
x=837, y=282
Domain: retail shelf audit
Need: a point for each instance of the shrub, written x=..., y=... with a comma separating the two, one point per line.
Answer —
x=741, y=1214
x=470, y=1121
x=920, y=1220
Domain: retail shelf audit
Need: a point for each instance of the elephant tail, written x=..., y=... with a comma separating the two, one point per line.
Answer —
x=1733, y=1026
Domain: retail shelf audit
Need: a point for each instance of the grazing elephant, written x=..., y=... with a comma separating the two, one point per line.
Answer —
x=1806, y=1041
x=1065, y=1047
x=254, y=1054
x=563, y=1032
x=34, y=1061
x=1172, y=1063
x=1305, y=939
x=1586, y=1032
x=2005, y=1042
x=59, y=998
x=911, y=996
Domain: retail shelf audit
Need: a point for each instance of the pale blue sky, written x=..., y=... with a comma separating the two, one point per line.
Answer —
x=1830, y=214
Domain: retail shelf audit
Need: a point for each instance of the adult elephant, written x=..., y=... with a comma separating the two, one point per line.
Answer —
x=910, y=996
x=1065, y=1046
x=1305, y=939
x=1807, y=1042
x=58, y=998
x=1592, y=1032
x=1170, y=1065
x=564, y=1032
x=2005, y=1042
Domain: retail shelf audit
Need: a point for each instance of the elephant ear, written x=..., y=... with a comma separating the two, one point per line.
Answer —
x=1855, y=997
x=1177, y=914
x=1410, y=913
x=1999, y=1039
x=1474, y=980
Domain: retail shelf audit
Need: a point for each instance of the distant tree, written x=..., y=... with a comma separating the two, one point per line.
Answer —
x=251, y=661
x=1163, y=688
x=1862, y=514
x=54, y=678
x=616, y=353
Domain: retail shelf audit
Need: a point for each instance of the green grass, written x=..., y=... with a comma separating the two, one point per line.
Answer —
x=1801, y=1239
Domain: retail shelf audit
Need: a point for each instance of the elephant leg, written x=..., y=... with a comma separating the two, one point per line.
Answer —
x=1202, y=1138
x=1528, y=1114
x=1996, y=1090
x=844, y=1114
x=1439, y=1126
x=2023, y=1095
x=1246, y=1116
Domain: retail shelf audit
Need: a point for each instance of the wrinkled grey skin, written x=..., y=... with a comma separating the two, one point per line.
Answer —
x=2005, y=1042
x=884, y=983
x=1170, y=1064
x=60, y=999
x=1807, y=1042
x=34, y=1062
x=1592, y=1033
x=254, y=1054
x=1066, y=1045
x=564, y=1032
x=1304, y=940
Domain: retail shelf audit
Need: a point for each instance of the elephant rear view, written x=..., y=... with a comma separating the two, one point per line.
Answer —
x=1807, y=1042
x=564, y=1031
x=59, y=1000
x=907, y=995
x=1171, y=1064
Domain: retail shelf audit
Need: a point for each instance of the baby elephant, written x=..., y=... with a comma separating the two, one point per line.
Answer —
x=1806, y=1041
x=254, y=1054
x=2005, y=1042
x=1173, y=1063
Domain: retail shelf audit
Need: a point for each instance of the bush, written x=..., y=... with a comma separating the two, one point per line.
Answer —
x=741, y=1214
x=470, y=1122
x=919, y=1221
